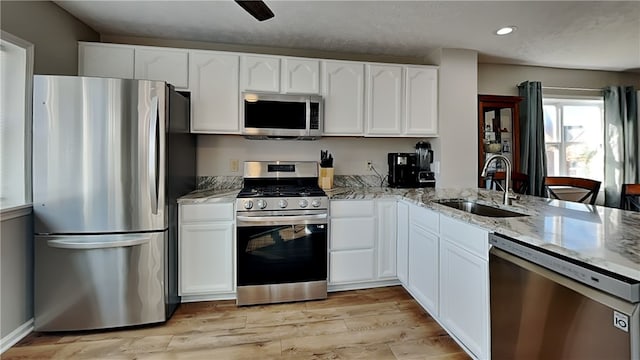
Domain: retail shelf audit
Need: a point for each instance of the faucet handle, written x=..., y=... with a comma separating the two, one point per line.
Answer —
x=512, y=195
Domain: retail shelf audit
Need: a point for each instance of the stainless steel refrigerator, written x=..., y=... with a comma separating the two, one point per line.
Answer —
x=110, y=158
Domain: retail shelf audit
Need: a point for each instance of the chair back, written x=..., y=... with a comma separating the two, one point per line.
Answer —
x=592, y=187
x=630, y=197
x=519, y=181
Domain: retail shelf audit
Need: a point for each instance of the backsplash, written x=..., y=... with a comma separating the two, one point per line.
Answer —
x=235, y=182
x=218, y=182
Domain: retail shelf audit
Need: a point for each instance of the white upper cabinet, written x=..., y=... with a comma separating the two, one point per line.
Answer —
x=260, y=73
x=169, y=65
x=105, y=60
x=421, y=101
x=384, y=100
x=343, y=92
x=215, y=96
x=300, y=76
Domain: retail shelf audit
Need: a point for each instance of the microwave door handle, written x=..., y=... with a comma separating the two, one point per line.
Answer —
x=308, y=118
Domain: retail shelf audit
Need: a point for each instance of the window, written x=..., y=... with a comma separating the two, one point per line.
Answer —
x=573, y=131
x=16, y=73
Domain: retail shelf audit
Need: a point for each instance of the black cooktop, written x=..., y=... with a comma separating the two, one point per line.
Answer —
x=254, y=188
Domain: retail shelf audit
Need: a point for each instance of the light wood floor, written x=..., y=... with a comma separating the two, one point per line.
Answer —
x=382, y=323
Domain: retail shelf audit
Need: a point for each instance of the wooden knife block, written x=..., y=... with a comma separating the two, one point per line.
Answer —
x=325, y=179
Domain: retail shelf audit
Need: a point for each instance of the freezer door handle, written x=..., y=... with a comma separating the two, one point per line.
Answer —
x=87, y=245
x=153, y=155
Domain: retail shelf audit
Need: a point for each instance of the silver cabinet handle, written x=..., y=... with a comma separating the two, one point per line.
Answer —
x=86, y=245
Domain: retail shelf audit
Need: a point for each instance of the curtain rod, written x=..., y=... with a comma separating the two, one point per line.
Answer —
x=570, y=88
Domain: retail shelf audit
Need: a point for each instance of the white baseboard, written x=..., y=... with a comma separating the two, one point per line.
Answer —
x=362, y=285
x=209, y=297
x=16, y=335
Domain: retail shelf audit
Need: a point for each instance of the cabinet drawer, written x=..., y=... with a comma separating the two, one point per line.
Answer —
x=351, y=208
x=207, y=212
x=425, y=218
x=469, y=237
x=353, y=233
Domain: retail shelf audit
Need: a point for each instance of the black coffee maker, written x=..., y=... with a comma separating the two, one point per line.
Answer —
x=402, y=170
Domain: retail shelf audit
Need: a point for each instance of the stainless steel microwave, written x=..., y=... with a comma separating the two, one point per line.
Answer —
x=281, y=116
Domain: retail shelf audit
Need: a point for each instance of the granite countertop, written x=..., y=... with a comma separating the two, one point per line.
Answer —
x=604, y=237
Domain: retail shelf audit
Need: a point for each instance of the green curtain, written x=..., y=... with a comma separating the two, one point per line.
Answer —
x=533, y=157
x=621, y=141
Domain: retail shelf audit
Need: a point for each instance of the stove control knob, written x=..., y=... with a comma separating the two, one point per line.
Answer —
x=315, y=203
x=262, y=204
x=248, y=204
x=303, y=203
x=283, y=203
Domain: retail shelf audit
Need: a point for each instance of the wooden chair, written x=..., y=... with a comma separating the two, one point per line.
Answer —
x=630, y=198
x=592, y=187
x=519, y=181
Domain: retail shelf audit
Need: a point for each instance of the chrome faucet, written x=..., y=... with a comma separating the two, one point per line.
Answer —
x=507, y=179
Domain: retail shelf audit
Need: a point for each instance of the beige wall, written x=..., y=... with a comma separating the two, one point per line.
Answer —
x=457, y=146
x=16, y=273
x=53, y=32
x=494, y=79
x=215, y=152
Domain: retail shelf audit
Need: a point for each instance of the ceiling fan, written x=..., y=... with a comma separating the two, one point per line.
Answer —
x=257, y=8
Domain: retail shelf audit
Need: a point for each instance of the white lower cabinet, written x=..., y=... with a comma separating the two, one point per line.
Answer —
x=423, y=259
x=402, y=245
x=362, y=244
x=464, y=284
x=206, y=251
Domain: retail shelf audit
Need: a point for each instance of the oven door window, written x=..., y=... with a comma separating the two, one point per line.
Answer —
x=279, y=254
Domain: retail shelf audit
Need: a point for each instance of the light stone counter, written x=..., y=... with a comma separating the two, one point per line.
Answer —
x=603, y=237
x=209, y=196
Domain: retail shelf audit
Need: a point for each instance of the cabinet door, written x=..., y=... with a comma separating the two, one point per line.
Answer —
x=300, y=76
x=206, y=258
x=343, y=91
x=423, y=268
x=215, y=97
x=421, y=101
x=260, y=73
x=161, y=64
x=351, y=266
x=387, y=238
x=402, y=251
x=105, y=60
x=384, y=100
x=464, y=297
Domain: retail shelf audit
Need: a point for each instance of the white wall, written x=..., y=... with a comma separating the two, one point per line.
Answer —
x=215, y=152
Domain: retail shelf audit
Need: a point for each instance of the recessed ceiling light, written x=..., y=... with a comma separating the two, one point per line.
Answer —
x=506, y=30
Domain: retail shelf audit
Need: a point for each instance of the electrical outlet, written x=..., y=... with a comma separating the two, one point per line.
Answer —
x=369, y=165
x=234, y=165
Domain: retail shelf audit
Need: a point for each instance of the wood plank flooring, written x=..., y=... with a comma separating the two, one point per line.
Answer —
x=381, y=323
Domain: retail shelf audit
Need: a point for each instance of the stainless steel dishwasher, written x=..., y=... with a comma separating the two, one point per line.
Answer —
x=546, y=306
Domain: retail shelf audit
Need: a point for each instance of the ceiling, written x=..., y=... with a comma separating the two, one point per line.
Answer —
x=603, y=35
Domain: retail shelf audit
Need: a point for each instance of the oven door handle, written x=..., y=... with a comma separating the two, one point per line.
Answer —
x=281, y=220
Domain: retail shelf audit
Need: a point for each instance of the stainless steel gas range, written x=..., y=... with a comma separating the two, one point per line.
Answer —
x=282, y=232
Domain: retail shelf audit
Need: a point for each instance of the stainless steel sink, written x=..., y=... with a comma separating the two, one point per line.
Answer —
x=478, y=209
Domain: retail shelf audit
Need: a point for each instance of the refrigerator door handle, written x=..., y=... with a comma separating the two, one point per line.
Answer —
x=153, y=156
x=87, y=245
